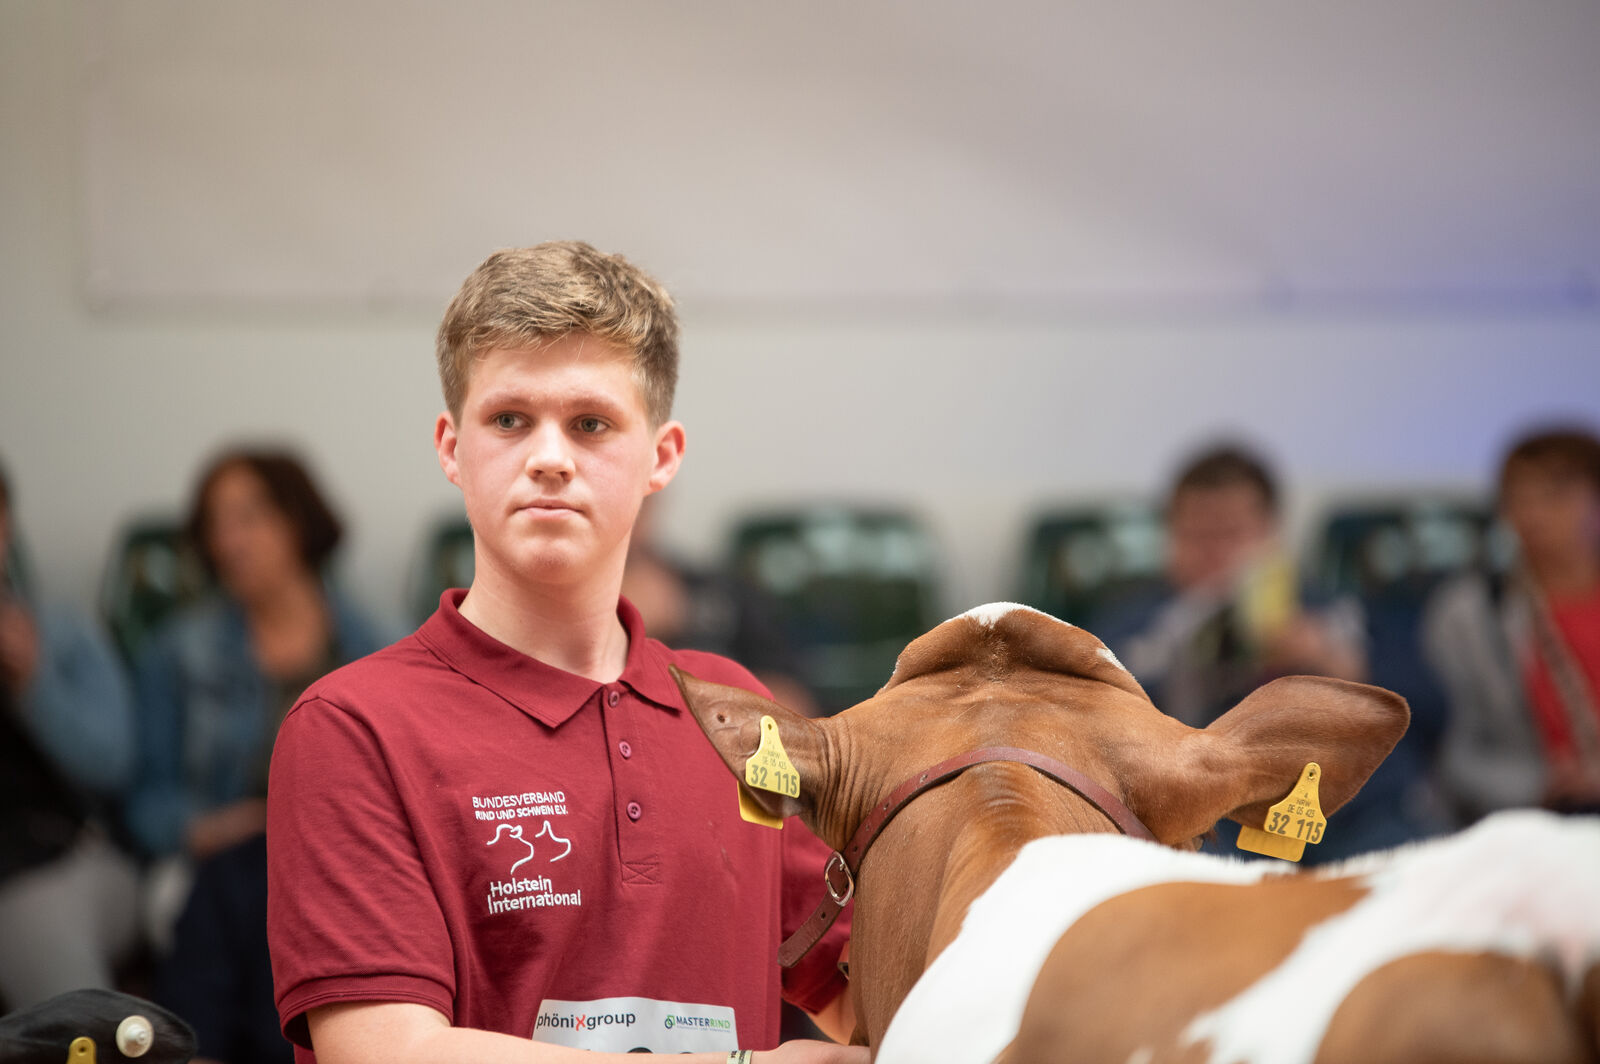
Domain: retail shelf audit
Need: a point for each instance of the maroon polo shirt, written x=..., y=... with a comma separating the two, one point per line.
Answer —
x=455, y=824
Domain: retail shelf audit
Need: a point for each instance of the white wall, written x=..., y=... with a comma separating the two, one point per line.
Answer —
x=971, y=418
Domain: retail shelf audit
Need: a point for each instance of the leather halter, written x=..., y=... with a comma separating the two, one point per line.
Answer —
x=848, y=861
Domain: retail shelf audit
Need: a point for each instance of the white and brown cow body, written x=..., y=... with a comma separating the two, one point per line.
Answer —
x=1119, y=950
x=1000, y=916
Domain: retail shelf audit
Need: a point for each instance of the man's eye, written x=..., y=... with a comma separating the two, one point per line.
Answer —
x=505, y=421
x=590, y=425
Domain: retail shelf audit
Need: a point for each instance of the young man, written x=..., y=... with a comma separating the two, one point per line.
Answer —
x=504, y=838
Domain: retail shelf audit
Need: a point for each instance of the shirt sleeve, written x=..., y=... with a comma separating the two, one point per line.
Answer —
x=815, y=981
x=351, y=914
x=77, y=707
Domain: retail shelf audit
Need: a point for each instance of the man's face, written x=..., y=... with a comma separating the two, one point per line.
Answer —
x=1554, y=513
x=1214, y=533
x=554, y=452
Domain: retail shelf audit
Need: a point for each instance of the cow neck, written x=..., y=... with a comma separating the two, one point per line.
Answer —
x=839, y=875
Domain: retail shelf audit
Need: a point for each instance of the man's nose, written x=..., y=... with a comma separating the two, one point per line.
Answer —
x=549, y=454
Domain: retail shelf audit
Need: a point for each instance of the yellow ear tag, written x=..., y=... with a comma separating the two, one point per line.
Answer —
x=81, y=1051
x=769, y=768
x=750, y=809
x=1291, y=823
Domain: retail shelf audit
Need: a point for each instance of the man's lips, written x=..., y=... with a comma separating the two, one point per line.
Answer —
x=548, y=506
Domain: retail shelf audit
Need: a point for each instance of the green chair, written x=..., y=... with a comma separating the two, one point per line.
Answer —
x=1386, y=547
x=1078, y=558
x=152, y=573
x=852, y=586
x=446, y=562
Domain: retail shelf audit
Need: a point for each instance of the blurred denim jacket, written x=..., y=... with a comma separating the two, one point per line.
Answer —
x=206, y=714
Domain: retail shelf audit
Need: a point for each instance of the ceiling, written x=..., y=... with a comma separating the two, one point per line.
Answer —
x=849, y=155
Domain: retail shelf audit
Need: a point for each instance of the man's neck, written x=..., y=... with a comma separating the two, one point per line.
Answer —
x=574, y=629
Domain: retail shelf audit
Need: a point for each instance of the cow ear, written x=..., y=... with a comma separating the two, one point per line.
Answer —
x=1253, y=755
x=731, y=718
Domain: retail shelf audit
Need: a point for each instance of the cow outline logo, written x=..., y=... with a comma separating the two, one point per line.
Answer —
x=514, y=831
x=547, y=832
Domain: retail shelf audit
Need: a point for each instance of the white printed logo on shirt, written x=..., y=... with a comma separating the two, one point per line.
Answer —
x=514, y=845
x=561, y=847
x=636, y=1024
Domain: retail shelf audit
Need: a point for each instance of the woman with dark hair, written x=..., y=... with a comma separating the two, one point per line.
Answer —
x=212, y=687
x=216, y=680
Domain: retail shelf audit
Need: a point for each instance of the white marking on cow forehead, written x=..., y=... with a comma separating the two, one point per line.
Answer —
x=991, y=614
x=1105, y=653
x=1522, y=884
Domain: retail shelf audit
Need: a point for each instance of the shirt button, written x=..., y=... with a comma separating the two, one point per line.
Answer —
x=624, y=749
x=634, y=812
x=613, y=698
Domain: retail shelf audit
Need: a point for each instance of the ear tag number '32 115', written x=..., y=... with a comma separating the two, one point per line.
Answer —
x=769, y=769
x=1291, y=823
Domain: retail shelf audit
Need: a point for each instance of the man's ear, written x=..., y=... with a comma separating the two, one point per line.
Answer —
x=670, y=442
x=444, y=442
x=1252, y=756
x=731, y=719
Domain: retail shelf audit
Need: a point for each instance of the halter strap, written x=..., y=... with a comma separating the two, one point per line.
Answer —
x=848, y=862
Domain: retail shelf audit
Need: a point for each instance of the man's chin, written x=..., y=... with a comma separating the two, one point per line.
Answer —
x=554, y=563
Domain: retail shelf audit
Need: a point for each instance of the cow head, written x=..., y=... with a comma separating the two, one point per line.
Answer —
x=1009, y=675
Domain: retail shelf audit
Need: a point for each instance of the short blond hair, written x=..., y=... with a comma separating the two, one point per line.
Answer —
x=523, y=297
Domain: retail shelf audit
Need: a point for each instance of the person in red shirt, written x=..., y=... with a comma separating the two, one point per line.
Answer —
x=1519, y=654
x=504, y=838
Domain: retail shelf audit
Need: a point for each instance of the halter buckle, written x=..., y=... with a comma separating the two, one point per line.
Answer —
x=849, y=880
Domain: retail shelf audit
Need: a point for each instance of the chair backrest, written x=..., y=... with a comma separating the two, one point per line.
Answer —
x=1391, y=554
x=853, y=585
x=446, y=561
x=1403, y=547
x=1079, y=557
x=152, y=572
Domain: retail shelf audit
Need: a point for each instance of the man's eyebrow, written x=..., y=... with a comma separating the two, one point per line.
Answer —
x=599, y=402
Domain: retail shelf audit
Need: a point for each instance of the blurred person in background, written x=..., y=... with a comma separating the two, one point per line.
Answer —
x=67, y=896
x=1232, y=616
x=212, y=688
x=690, y=608
x=1519, y=652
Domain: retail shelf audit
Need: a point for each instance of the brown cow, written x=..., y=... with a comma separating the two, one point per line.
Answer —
x=999, y=915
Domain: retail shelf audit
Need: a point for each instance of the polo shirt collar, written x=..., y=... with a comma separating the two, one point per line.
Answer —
x=548, y=694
